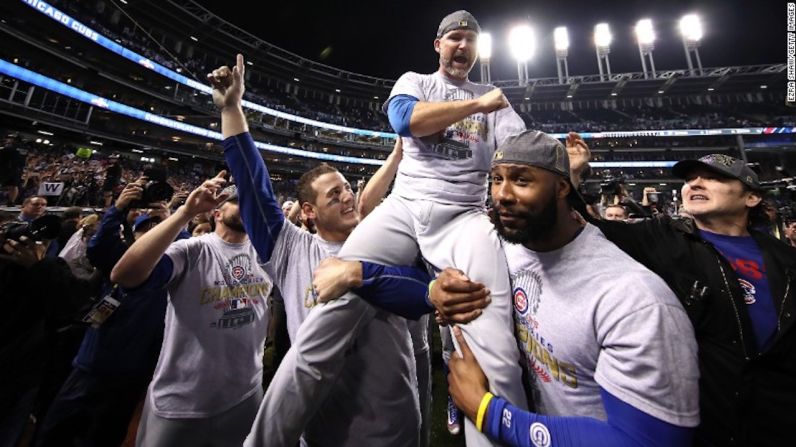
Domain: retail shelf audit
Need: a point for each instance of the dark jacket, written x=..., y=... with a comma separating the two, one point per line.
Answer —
x=36, y=302
x=746, y=398
x=128, y=342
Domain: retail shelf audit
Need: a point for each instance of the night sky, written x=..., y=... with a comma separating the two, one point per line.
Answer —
x=387, y=38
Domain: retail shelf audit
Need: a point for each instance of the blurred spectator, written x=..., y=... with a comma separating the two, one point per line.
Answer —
x=790, y=233
x=33, y=207
x=39, y=295
x=74, y=251
x=615, y=212
x=12, y=163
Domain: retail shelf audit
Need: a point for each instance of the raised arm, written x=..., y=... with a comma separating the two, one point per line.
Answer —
x=377, y=187
x=260, y=212
x=139, y=261
x=411, y=116
x=429, y=118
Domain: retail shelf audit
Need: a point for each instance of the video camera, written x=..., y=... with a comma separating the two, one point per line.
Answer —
x=612, y=185
x=155, y=190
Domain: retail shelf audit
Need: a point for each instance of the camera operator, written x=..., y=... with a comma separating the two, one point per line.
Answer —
x=38, y=295
x=113, y=174
x=117, y=357
x=738, y=287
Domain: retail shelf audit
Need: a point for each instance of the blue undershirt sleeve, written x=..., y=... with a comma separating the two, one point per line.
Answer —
x=160, y=276
x=399, y=112
x=400, y=290
x=261, y=214
x=626, y=426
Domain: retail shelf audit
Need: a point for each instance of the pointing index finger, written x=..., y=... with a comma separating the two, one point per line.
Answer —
x=463, y=347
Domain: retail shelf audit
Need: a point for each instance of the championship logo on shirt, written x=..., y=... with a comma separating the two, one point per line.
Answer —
x=238, y=267
x=528, y=285
x=748, y=291
x=520, y=301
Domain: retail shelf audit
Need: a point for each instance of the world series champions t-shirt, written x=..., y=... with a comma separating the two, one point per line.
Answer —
x=451, y=166
x=587, y=316
x=216, y=322
x=743, y=253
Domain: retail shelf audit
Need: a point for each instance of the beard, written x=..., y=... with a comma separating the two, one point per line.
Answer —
x=233, y=222
x=537, y=225
x=458, y=73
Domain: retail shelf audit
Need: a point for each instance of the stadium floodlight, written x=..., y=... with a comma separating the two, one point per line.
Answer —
x=522, y=44
x=602, y=35
x=485, y=46
x=484, y=55
x=691, y=30
x=645, y=34
x=561, y=38
x=602, y=43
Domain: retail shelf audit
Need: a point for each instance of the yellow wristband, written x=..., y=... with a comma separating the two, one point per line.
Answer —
x=430, y=285
x=479, y=419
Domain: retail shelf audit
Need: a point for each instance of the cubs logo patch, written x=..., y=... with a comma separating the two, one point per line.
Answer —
x=520, y=301
x=540, y=435
x=238, y=272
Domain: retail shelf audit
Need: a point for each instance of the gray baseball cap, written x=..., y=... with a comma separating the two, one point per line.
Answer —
x=722, y=165
x=232, y=190
x=458, y=20
x=538, y=149
x=534, y=148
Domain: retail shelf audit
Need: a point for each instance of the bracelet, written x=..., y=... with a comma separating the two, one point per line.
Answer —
x=430, y=285
x=479, y=419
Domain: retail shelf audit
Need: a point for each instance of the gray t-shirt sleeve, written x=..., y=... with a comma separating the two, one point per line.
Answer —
x=649, y=360
x=410, y=83
x=507, y=123
x=286, y=244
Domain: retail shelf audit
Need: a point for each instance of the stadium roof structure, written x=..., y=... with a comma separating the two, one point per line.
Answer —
x=190, y=17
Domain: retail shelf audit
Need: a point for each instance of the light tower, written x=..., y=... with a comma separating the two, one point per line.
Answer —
x=561, y=39
x=691, y=30
x=645, y=35
x=602, y=43
x=522, y=44
x=484, y=55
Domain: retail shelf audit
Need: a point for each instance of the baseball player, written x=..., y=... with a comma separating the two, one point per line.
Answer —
x=349, y=377
x=611, y=354
x=450, y=128
x=207, y=385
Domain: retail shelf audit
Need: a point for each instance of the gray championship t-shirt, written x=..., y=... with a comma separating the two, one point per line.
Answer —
x=588, y=316
x=451, y=167
x=295, y=256
x=216, y=323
